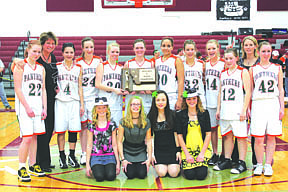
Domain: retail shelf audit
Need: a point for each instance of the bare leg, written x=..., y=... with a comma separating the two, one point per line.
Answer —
x=24, y=149
x=173, y=170
x=61, y=141
x=33, y=150
x=83, y=136
x=72, y=146
x=270, y=149
x=214, y=140
x=161, y=170
x=242, y=148
x=259, y=149
x=228, y=145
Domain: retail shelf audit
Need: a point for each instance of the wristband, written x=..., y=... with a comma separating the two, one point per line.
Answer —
x=122, y=159
x=178, y=149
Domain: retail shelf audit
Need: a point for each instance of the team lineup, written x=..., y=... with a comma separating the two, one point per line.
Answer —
x=173, y=128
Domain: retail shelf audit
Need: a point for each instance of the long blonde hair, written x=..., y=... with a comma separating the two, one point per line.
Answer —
x=254, y=40
x=95, y=115
x=128, y=121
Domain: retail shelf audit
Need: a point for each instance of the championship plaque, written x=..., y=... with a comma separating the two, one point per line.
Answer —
x=139, y=79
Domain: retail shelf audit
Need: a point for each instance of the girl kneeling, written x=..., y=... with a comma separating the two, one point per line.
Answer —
x=102, y=153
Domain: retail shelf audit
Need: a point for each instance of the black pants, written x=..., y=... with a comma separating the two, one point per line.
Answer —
x=104, y=172
x=198, y=173
x=43, y=157
x=235, y=153
x=136, y=170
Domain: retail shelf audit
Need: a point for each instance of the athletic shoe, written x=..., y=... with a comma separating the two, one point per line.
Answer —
x=221, y=159
x=36, y=171
x=214, y=159
x=62, y=162
x=258, y=170
x=226, y=164
x=268, y=171
x=23, y=175
x=83, y=158
x=240, y=167
x=73, y=162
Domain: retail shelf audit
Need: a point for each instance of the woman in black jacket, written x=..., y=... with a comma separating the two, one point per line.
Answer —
x=194, y=135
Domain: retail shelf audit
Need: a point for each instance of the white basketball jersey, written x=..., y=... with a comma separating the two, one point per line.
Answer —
x=89, y=77
x=32, y=84
x=167, y=74
x=147, y=98
x=212, y=78
x=132, y=63
x=194, y=76
x=265, y=81
x=232, y=94
x=112, y=78
x=67, y=82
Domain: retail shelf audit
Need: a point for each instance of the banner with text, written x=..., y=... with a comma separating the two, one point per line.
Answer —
x=233, y=9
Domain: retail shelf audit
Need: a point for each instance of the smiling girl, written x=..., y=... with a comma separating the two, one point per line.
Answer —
x=69, y=105
x=231, y=110
x=171, y=73
x=267, y=107
x=31, y=108
x=213, y=68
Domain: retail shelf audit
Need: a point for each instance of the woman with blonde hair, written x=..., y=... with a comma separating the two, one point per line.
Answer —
x=249, y=58
x=102, y=153
x=89, y=63
x=213, y=67
x=135, y=128
x=108, y=81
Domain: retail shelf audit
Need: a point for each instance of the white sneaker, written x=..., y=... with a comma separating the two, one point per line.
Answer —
x=258, y=170
x=268, y=171
x=83, y=158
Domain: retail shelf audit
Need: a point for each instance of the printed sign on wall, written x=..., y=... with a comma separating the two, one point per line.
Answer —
x=233, y=9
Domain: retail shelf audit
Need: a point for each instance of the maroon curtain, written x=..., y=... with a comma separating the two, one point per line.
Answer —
x=272, y=5
x=70, y=5
x=191, y=5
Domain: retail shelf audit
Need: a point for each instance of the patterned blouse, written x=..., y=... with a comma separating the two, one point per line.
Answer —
x=102, y=139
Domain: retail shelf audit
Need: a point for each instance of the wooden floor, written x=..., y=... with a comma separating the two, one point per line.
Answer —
x=75, y=179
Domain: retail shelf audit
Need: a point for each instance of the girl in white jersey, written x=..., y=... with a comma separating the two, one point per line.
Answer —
x=30, y=105
x=69, y=105
x=171, y=73
x=231, y=110
x=193, y=70
x=108, y=80
x=140, y=61
x=89, y=63
x=213, y=68
x=267, y=107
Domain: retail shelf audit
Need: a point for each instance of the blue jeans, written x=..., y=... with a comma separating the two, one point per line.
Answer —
x=286, y=86
x=3, y=95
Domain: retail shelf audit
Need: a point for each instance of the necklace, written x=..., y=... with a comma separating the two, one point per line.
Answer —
x=46, y=60
x=135, y=117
